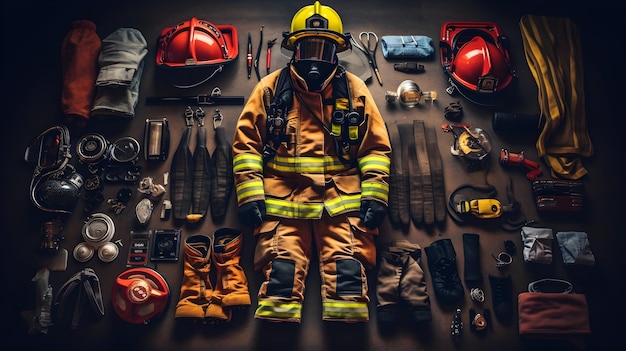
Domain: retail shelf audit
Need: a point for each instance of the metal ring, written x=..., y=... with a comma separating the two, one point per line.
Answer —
x=477, y=294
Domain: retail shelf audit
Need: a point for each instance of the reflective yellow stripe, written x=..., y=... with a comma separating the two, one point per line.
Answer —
x=343, y=203
x=375, y=190
x=375, y=163
x=253, y=188
x=345, y=310
x=243, y=162
x=289, y=209
x=282, y=310
x=314, y=165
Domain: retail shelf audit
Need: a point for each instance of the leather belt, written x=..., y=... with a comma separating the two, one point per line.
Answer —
x=398, y=180
x=85, y=282
x=436, y=170
x=415, y=180
x=424, y=166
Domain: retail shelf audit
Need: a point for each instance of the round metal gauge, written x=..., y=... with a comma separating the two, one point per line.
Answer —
x=125, y=150
x=92, y=148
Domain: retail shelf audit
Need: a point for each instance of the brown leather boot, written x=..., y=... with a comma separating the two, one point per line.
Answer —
x=197, y=301
x=232, y=285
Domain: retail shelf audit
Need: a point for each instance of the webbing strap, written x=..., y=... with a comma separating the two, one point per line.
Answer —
x=182, y=177
x=424, y=166
x=416, y=199
x=222, y=177
x=436, y=170
x=201, y=175
x=85, y=282
x=398, y=180
x=553, y=52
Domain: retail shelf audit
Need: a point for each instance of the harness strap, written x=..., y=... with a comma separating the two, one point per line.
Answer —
x=182, y=173
x=201, y=172
x=421, y=150
x=416, y=198
x=90, y=284
x=222, y=177
x=436, y=169
x=398, y=180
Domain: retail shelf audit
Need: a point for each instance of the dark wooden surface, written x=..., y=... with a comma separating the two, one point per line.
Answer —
x=33, y=33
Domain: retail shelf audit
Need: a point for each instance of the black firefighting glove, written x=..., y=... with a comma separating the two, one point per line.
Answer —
x=372, y=213
x=252, y=213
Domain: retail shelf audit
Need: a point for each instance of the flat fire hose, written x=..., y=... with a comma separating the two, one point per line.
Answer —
x=201, y=173
x=425, y=173
x=222, y=180
x=436, y=169
x=398, y=180
x=416, y=199
x=552, y=49
x=182, y=173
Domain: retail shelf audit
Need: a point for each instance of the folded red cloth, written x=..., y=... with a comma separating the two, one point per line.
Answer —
x=553, y=314
x=79, y=59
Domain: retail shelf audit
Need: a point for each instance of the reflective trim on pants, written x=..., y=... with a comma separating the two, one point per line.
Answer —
x=345, y=311
x=277, y=310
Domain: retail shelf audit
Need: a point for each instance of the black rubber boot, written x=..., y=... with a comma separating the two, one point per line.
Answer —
x=502, y=295
x=443, y=271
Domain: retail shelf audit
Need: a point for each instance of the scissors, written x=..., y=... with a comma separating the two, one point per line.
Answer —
x=368, y=45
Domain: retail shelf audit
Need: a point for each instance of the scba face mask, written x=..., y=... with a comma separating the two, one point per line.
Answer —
x=315, y=59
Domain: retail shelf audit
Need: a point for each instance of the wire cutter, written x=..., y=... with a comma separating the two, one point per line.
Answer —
x=368, y=43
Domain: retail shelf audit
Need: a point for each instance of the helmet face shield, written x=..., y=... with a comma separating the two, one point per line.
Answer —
x=316, y=49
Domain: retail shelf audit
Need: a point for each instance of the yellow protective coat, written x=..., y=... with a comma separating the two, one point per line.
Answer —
x=304, y=182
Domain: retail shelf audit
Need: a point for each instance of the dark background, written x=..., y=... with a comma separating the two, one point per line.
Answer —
x=33, y=33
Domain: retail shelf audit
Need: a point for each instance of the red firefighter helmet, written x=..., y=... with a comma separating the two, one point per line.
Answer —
x=140, y=294
x=195, y=43
x=475, y=57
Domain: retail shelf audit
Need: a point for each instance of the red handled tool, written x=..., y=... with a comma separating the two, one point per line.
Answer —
x=517, y=159
x=268, y=58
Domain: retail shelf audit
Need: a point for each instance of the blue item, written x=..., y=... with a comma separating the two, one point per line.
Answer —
x=407, y=46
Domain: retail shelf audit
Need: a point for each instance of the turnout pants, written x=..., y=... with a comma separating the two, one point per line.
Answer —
x=346, y=249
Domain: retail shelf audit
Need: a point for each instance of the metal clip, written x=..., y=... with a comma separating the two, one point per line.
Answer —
x=200, y=114
x=217, y=118
x=189, y=116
